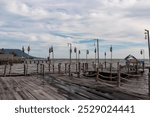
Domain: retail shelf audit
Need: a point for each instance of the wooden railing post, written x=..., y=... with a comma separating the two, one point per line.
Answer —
x=101, y=67
x=37, y=68
x=53, y=68
x=76, y=67
x=143, y=66
x=105, y=64
x=24, y=69
x=79, y=70
x=79, y=67
x=111, y=69
x=5, y=68
x=49, y=66
x=41, y=68
x=65, y=68
x=83, y=67
x=86, y=66
x=59, y=68
x=97, y=77
x=10, y=68
x=69, y=69
x=43, y=71
x=118, y=78
x=149, y=82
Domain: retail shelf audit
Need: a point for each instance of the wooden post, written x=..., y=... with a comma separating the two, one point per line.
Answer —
x=49, y=67
x=59, y=67
x=40, y=68
x=24, y=69
x=53, y=69
x=97, y=75
x=86, y=66
x=79, y=70
x=43, y=70
x=143, y=66
x=65, y=68
x=118, y=78
x=5, y=68
x=105, y=64
x=111, y=69
x=79, y=67
x=69, y=67
x=136, y=68
x=149, y=82
x=10, y=68
x=95, y=67
x=83, y=67
x=76, y=67
x=102, y=67
x=37, y=68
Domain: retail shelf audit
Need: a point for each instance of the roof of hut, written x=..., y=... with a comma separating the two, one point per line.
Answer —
x=131, y=58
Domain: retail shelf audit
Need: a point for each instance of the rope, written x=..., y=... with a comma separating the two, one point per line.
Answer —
x=110, y=77
x=131, y=75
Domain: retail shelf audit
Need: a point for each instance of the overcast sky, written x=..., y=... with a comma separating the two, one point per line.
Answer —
x=42, y=23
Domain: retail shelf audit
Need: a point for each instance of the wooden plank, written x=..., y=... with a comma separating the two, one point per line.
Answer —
x=7, y=90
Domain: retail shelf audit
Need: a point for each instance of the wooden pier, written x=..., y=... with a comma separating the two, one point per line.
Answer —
x=41, y=80
x=57, y=87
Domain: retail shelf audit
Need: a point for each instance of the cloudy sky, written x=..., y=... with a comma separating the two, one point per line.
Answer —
x=43, y=23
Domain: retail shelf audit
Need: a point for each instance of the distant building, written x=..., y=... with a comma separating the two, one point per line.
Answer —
x=130, y=59
x=133, y=64
x=6, y=57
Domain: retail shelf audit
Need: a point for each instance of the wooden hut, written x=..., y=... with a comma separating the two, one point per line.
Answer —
x=133, y=64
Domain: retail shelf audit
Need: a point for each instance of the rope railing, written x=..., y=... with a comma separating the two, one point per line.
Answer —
x=131, y=75
x=107, y=77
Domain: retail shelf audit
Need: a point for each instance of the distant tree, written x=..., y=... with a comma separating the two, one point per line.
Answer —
x=13, y=53
x=2, y=51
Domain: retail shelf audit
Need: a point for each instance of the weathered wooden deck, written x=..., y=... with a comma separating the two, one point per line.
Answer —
x=60, y=87
x=27, y=88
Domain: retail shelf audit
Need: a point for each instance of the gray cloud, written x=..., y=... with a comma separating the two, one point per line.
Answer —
x=52, y=22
